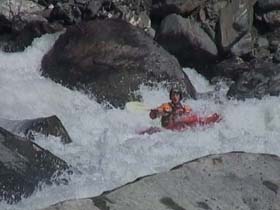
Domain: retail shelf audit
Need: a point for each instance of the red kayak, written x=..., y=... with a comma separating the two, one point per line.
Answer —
x=185, y=122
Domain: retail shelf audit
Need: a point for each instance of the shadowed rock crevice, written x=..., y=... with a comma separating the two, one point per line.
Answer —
x=169, y=203
x=272, y=186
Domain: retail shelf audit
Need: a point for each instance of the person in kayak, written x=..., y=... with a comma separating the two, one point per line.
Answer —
x=170, y=112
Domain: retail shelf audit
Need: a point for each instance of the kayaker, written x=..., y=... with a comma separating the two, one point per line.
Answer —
x=170, y=112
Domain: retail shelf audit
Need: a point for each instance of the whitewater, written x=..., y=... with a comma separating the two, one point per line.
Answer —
x=106, y=150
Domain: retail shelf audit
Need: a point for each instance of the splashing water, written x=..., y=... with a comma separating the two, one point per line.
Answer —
x=106, y=148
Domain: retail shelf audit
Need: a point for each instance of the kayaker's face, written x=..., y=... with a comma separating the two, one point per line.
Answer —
x=175, y=98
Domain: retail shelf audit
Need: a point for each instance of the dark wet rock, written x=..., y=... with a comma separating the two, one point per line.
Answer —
x=66, y=13
x=46, y=126
x=272, y=19
x=48, y=3
x=24, y=165
x=135, y=12
x=268, y=21
x=20, y=40
x=274, y=39
x=185, y=39
x=111, y=67
x=89, y=8
x=161, y=9
x=262, y=79
x=276, y=57
x=226, y=181
x=231, y=68
x=268, y=5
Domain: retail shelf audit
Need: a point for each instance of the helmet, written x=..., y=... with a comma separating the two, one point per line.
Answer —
x=175, y=90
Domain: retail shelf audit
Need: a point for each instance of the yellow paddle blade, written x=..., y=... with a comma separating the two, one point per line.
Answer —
x=136, y=106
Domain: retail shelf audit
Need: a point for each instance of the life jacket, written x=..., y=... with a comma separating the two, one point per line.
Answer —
x=171, y=111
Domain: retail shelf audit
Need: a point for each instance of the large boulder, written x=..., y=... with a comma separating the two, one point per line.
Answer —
x=23, y=165
x=227, y=181
x=111, y=59
x=185, y=39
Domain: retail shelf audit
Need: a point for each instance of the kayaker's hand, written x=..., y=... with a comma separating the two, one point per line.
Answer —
x=153, y=113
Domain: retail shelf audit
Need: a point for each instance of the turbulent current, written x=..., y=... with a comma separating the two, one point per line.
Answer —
x=106, y=149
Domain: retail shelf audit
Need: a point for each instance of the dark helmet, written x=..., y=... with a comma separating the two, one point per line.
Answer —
x=175, y=90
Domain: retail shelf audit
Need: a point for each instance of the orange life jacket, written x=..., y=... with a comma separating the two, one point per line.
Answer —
x=172, y=111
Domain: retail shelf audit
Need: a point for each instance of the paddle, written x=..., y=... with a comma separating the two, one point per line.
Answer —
x=136, y=106
x=140, y=107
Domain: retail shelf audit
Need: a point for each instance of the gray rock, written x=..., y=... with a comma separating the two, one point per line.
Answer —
x=262, y=42
x=243, y=46
x=236, y=20
x=228, y=181
x=185, y=39
x=11, y=8
x=23, y=164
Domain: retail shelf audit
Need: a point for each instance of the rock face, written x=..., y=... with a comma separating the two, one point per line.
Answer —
x=236, y=20
x=23, y=165
x=10, y=8
x=21, y=22
x=227, y=181
x=111, y=58
x=262, y=79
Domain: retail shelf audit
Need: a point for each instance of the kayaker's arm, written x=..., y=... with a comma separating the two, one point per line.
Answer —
x=160, y=111
x=187, y=109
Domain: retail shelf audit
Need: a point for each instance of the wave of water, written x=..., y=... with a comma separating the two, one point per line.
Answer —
x=106, y=148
